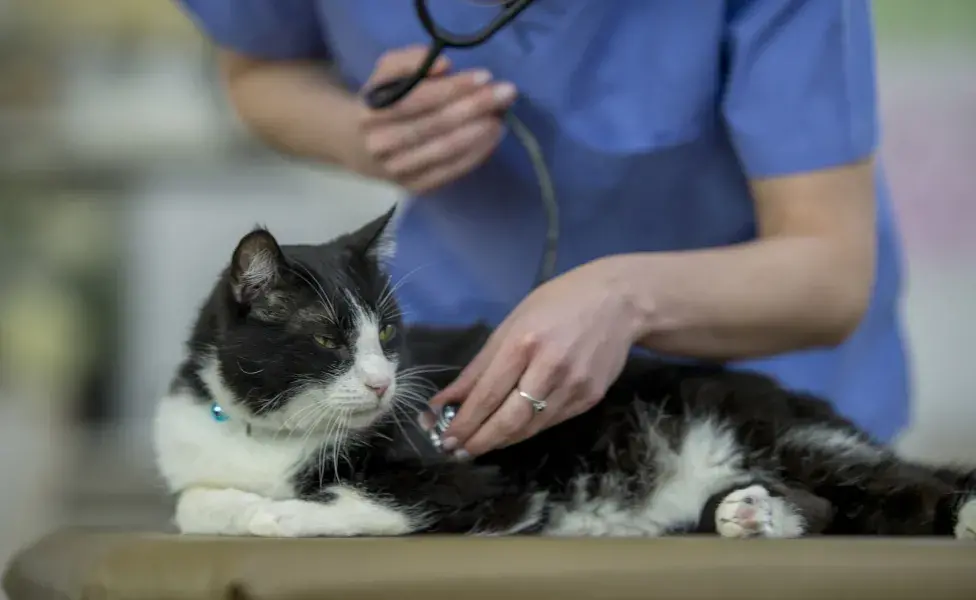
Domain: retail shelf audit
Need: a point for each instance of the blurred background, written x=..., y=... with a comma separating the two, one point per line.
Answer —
x=124, y=181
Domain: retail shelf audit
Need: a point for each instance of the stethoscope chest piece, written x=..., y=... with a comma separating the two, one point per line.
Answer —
x=440, y=426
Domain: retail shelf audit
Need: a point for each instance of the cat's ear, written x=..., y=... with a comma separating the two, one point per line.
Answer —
x=376, y=239
x=256, y=266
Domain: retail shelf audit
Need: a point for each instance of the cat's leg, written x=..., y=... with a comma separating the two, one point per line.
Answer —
x=874, y=491
x=965, y=528
x=522, y=514
x=463, y=498
x=754, y=512
x=900, y=499
x=342, y=512
x=450, y=496
x=764, y=509
x=206, y=511
x=963, y=509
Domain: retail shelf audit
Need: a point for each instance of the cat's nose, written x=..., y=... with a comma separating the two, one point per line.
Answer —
x=379, y=387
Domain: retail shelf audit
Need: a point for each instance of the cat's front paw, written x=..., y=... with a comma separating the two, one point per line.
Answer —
x=753, y=512
x=284, y=519
x=346, y=513
x=966, y=521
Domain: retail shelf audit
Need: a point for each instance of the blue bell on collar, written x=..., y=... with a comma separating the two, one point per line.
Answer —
x=217, y=412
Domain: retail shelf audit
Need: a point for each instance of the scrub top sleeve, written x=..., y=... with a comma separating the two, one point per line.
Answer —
x=266, y=29
x=800, y=90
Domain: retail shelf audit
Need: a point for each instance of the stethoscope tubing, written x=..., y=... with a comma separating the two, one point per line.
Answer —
x=390, y=92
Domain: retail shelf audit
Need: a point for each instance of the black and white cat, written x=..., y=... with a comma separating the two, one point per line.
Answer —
x=294, y=414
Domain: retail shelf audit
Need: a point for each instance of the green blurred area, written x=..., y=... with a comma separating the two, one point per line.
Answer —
x=925, y=22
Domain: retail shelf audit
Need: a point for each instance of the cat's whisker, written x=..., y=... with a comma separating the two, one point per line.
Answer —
x=337, y=446
x=421, y=391
x=392, y=315
x=422, y=388
x=399, y=425
x=333, y=445
x=382, y=436
x=331, y=435
x=323, y=447
x=381, y=302
x=246, y=372
x=431, y=368
x=317, y=289
x=315, y=415
x=320, y=292
x=415, y=391
x=410, y=401
x=424, y=369
x=296, y=418
x=391, y=291
x=266, y=404
x=295, y=391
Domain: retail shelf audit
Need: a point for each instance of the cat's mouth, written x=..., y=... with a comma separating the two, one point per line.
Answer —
x=365, y=411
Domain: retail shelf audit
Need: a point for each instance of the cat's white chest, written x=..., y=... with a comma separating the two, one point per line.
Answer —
x=194, y=450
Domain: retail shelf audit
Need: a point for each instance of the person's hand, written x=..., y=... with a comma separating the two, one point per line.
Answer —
x=564, y=344
x=446, y=126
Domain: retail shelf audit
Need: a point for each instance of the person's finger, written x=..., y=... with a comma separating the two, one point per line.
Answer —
x=428, y=96
x=459, y=389
x=505, y=424
x=440, y=176
x=396, y=137
x=516, y=416
x=560, y=407
x=448, y=148
x=404, y=62
x=493, y=386
x=443, y=174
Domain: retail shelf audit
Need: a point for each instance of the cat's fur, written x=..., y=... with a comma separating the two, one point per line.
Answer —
x=323, y=441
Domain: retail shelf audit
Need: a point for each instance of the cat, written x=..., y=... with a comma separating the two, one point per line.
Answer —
x=294, y=414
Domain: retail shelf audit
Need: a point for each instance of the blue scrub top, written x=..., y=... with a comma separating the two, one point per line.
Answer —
x=652, y=115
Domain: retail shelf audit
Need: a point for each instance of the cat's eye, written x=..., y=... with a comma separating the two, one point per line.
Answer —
x=325, y=341
x=387, y=333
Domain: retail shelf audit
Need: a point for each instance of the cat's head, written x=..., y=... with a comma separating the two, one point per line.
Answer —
x=309, y=336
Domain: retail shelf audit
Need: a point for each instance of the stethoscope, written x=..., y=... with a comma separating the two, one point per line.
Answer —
x=390, y=92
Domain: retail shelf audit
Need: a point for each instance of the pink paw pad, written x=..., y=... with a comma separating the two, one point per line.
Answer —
x=744, y=513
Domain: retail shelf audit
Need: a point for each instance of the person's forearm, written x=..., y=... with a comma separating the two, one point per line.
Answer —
x=756, y=299
x=296, y=107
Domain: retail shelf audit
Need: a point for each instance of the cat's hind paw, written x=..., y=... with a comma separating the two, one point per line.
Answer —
x=966, y=521
x=744, y=513
x=753, y=512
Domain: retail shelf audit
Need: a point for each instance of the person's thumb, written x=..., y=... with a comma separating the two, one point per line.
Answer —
x=405, y=61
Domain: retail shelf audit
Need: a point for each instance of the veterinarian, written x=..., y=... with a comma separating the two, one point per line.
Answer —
x=715, y=165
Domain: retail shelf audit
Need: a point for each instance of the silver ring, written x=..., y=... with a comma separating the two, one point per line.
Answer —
x=537, y=405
